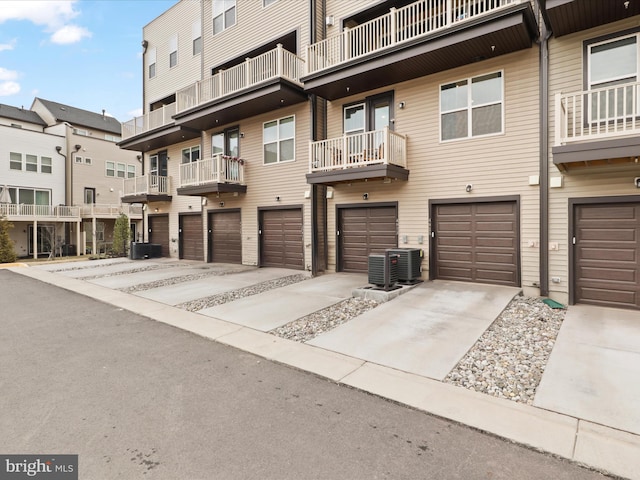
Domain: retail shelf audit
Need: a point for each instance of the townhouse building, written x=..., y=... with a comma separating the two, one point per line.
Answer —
x=491, y=134
x=63, y=172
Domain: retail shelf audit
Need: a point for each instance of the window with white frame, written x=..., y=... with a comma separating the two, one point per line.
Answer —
x=278, y=139
x=88, y=161
x=191, y=154
x=472, y=107
x=266, y=3
x=224, y=15
x=81, y=131
x=131, y=171
x=110, y=169
x=173, y=51
x=31, y=163
x=46, y=164
x=196, y=37
x=15, y=161
x=611, y=63
x=153, y=165
x=30, y=196
x=122, y=169
x=151, y=62
x=112, y=138
x=79, y=159
x=354, y=119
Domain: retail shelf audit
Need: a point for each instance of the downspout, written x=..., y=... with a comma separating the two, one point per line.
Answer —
x=545, y=34
x=313, y=134
x=67, y=175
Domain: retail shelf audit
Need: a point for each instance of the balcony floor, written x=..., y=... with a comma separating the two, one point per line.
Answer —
x=199, y=190
x=369, y=172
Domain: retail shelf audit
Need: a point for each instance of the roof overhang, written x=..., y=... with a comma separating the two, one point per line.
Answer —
x=569, y=16
x=159, y=138
x=597, y=153
x=262, y=98
x=503, y=31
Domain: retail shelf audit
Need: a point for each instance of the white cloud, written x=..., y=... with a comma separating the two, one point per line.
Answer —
x=54, y=15
x=69, y=34
x=9, y=88
x=8, y=74
x=135, y=113
x=8, y=46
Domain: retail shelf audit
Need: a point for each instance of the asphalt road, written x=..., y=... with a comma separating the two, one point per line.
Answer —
x=139, y=399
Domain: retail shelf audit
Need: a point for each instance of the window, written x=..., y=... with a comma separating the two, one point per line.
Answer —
x=79, y=159
x=471, y=107
x=151, y=62
x=30, y=195
x=611, y=63
x=31, y=164
x=224, y=15
x=131, y=171
x=112, y=138
x=89, y=195
x=266, y=3
x=46, y=164
x=226, y=142
x=111, y=169
x=15, y=161
x=122, y=169
x=16, y=125
x=196, y=37
x=278, y=138
x=354, y=119
x=88, y=161
x=80, y=131
x=191, y=154
x=173, y=51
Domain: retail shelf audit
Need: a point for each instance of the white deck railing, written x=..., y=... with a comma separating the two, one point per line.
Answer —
x=110, y=210
x=217, y=169
x=147, y=185
x=149, y=121
x=358, y=150
x=272, y=64
x=14, y=211
x=597, y=114
x=399, y=25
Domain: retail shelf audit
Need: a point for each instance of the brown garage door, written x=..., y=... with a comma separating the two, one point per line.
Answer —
x=159, y=232
x=281, y=243
x=476, y=242
x=225, y=237
x=190, y=232
x=606, y=255
x=362, y=231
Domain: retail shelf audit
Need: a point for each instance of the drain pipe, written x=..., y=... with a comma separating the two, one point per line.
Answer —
x=313, y=133
x=545, y=34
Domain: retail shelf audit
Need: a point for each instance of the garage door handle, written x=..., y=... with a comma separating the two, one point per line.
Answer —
x=338, y=233
x=259, y=232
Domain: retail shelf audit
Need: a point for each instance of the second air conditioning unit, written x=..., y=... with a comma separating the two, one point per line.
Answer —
x=409, y=262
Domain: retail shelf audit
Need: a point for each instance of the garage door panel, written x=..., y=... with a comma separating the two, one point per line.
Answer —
x=191, y=237
x=159, y=232
x=281, y=242
x=615, y=274
x=607, y=253
x=602, y=296
x=608, y=212
x=622, y=233
x=226, y=237
x=486, y=238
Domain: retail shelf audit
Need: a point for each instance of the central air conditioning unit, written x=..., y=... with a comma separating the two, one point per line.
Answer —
x=408, y=264
x=383, y=270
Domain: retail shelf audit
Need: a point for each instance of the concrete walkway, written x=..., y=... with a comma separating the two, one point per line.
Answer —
x=568, y=428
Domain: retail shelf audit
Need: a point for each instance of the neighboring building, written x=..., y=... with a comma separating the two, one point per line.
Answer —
x=594, y=131
x=311, y=134
x=74, y=171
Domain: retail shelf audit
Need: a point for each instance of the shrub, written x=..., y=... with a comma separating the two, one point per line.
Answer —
x=7, y=253
x=121, y=236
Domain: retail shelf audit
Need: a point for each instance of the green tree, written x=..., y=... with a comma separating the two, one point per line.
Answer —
x=7, y=253
x=121, y=235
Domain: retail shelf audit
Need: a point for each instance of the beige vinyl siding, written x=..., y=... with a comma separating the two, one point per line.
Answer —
x=265, y=182
x=566, y=76
x=249, y=32
x=178, y=20
x=498, y=165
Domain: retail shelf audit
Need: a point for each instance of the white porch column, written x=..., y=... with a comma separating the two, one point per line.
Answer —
x=35, y=239
x=78, y=250
x=93, y=236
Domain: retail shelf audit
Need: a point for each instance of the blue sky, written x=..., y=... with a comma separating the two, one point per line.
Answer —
x=84, y=53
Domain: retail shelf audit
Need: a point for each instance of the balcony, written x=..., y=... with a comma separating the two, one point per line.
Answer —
x=217, y=174
x=597, y=127
x=27, y=212
x=378, y=154
x=258, y=85
x=147, y=188
x=134, y=212
x=569, y=16
x=422, y=38
x=154, y=130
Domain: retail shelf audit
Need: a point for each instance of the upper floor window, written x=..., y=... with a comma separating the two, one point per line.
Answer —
x=224, y=15
x=196, y=37
x=78, y=159
x=110, y=169
x=131, y=171
x=472, y=107
x=173, y=51
x=15, y=161
x=151, y=62
x=266, y=3
x=226, y=142
x=46, y=164
x=610, y=63
x=80, y=131
x=121, y=172
x=112, y=138
x=191, y=154
x=354, y=118
x=278, y=138
x=31, y=163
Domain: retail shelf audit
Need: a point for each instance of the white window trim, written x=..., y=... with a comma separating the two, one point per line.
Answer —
x=151, y=60
x=344, y=118
x=470, y=108
x=279, y=140
x=78, y=159
x=28, y=164
x=190, y=150
x=130, y=169
x=611, y=40
x=224, y=22
x=43, y=165
x=88, y=161
x=196, y=33
x=113, y=169
x=270, y=2
x=173, y=48
x=121, y=167
x=15, y=161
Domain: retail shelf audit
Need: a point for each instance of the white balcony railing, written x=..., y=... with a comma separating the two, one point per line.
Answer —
x=14, y=211
x=399, y=25
x=149, y=121
x=272, y=64
x=596, y=114
x=147, y=185
x=110, y=210
x=217, y=169
x=358, y=150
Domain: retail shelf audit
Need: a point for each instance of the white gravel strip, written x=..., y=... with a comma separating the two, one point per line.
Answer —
x=230, y=296
x=312, y=325
x=509, y=358
x=127, y=272
x=175, y=280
